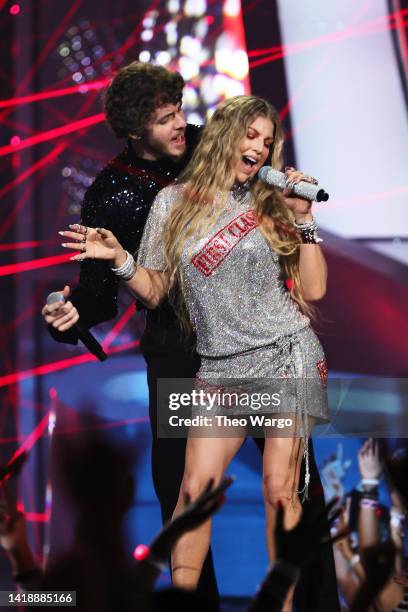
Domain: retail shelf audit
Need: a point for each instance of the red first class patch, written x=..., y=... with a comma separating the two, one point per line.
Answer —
x=323, y=372
x=217, y=248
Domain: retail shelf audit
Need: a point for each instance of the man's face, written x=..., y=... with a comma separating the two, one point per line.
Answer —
x=164, y=134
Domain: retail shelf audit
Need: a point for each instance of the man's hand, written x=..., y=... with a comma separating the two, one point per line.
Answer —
x=61, y=315
x=369, y=460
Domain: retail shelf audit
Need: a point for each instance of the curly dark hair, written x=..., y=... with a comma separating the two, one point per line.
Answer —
x=135, y=93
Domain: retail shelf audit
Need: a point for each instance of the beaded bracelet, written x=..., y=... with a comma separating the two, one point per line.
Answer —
x=127, y=270
x=368, y=503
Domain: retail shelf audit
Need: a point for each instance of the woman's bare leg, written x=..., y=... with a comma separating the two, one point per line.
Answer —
x=281, y=469
x=205, y=458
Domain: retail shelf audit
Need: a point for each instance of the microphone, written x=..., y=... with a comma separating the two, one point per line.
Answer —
x=83, y=334
x=305, y=190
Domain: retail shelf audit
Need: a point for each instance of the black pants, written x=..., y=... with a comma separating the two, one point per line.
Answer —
x=317, y=589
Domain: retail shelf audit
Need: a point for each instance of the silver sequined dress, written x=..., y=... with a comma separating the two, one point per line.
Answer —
x=247, y=324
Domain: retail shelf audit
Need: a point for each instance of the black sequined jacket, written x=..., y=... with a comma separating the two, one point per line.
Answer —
x=120, y=199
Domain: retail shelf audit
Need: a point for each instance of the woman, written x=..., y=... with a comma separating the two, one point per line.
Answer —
x=229, y=242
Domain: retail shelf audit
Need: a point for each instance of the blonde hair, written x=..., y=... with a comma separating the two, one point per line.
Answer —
x=208, y=178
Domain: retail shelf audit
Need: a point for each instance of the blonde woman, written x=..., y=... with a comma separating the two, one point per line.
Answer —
x=229, y=241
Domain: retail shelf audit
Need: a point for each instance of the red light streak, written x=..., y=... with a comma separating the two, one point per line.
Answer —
x=54, y=133
x=34, y=264
x=32, y=438
x=63, y=364
x=39, y=164
x=52, y=41
x=55, y=93
x=369, y=28
x=16, y=246
x=119, y=325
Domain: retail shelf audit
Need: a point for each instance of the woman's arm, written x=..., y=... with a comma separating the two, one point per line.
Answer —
x=312, y=264
x=149, y=286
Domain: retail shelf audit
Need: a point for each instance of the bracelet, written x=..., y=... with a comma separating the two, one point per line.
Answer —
x=369, y=503
x=354, y=561
x=308, y=232
x=370, y=481
x=127, y=270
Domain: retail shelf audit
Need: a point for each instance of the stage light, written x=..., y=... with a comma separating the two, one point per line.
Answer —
x=146, y=35
x=144, y=56
x=201, y=28
x=195, y=8
x=239, y=67
x=173, y=6
x=211, y=89
x=14, y=9
x=77, y=77
x=232, y=8
x=15, y=141
x=190, y=97
x=195, y=119
x=171, y=33
x=234, y=88
x=190, y=46
x=188, y=68
x=64, y=50
x=163, y=58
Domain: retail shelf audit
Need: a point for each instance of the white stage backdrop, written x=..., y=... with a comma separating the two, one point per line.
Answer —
x=348, y=112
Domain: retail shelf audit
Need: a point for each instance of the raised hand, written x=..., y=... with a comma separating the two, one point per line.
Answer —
x=94, y=243
x=369, y=460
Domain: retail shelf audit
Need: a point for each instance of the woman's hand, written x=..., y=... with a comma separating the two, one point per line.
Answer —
x=93, y=243
x=300, y=206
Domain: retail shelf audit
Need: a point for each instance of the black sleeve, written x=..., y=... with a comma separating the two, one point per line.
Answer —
x=96, y=295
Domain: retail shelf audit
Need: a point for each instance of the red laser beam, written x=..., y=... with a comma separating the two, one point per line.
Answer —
x=119, y=325
x=44, y=161
x=32, y=438
x=50, y=45
x=369, y=28
x=29, y=244
x=55, y=93
x=54, y=133
x=62, y=364
x=35, y=264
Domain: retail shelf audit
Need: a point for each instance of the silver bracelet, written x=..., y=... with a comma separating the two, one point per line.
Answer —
x=127, y=270
x=308, y=232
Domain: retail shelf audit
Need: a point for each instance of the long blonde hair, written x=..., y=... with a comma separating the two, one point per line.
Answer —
x=211, y=174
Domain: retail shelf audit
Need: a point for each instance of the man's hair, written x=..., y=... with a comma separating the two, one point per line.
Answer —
x=136, y=92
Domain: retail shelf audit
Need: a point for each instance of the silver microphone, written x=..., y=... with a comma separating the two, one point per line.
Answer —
x=305, y=190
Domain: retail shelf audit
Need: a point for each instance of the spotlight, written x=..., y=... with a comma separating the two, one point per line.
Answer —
x=14, y=9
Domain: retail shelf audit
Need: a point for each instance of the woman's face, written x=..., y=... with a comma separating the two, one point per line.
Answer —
x=254, y=148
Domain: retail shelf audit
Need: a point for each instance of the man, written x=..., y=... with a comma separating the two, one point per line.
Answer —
x=143, y=104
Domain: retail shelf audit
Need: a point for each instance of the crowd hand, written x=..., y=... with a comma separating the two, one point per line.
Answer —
x=341, y=533
x=378, y=563
x=369, y=460
x=298, y=546
x=61, y=315
x=93, y=243
x=299, y=206
x=194, y=514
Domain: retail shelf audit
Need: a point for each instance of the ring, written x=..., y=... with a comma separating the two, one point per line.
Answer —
x=289, y=169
